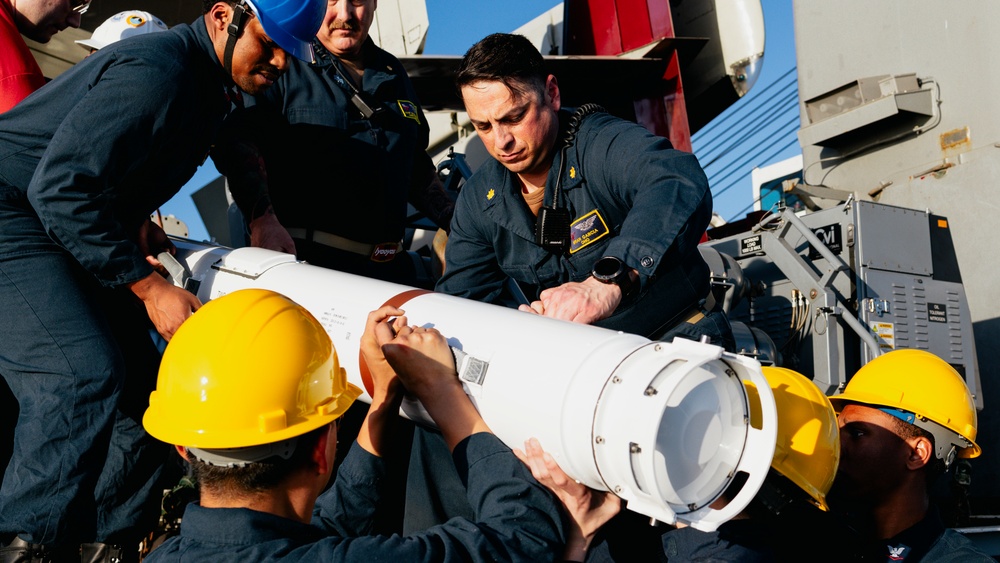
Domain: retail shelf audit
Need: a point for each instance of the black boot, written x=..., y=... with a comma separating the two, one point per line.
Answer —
x=101, y=553
x=21, y=551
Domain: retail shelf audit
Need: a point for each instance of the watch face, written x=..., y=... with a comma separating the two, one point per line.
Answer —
x=607, y=268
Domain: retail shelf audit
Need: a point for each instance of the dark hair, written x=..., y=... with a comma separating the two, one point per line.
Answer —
x=905, y=430
x=507, y=58
x=259, y=476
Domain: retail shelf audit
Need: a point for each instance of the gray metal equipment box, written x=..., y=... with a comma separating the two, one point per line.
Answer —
x=835, y=288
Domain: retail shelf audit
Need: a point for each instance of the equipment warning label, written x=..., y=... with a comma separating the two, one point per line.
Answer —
x=885, y=333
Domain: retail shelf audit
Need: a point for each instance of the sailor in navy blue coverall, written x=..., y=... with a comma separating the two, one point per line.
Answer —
x=83, y=163
x=629, y=194
x=515, y=518
x=334, y=176
x=629, y=199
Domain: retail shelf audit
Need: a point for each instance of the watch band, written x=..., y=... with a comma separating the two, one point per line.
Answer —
x=611, y=269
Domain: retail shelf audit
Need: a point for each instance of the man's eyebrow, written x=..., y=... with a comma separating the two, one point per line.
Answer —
x=521, y=103
x=514, y=111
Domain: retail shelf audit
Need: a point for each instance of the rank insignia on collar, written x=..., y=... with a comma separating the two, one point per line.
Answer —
x=572, y=172
x=490, y=194
x=409, y=110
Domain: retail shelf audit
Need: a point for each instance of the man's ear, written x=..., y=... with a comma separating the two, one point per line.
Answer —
x=921, y=453
x=552, y=96
x=323, y=465
x=182, y=451
x=219, y=16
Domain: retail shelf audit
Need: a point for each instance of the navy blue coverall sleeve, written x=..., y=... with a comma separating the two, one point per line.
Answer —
x=73, y=189
x=517, y=518
x=665, y=190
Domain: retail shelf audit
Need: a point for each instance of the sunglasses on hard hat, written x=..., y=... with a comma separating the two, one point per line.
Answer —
x=79, y=6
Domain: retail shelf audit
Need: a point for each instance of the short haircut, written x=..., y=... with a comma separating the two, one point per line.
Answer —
x=507, y=58
x=935, y=467
x=255, y=477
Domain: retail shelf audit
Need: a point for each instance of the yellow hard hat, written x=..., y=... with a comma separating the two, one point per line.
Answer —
x=251, y=367
x=807, y=450
x=918, y=382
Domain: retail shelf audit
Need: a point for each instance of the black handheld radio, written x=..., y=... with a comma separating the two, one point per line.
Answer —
x=552, y=229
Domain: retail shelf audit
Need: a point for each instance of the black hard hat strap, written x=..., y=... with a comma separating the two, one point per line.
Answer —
x=234, y=30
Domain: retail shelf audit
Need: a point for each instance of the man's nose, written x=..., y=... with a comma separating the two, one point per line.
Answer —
x=280, y=60
x=502, y=137
x=342, y=9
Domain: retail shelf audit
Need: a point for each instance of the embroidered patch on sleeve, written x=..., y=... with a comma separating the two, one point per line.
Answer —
x=409, y=110
x=586, y=230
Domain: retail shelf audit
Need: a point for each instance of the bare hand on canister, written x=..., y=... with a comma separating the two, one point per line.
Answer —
x=267, y=232
x=384, y=379
x=587, y=508
x=387, y=390
x=426, y=366
x=166, y=304
x=153, y=240
x=581, y=302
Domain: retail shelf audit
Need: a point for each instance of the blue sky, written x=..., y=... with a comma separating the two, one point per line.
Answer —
x=456, y=24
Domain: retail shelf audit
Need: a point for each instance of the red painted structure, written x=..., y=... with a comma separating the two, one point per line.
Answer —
x=613, y=27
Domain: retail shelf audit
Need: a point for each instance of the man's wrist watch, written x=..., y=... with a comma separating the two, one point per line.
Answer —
x=612, y=270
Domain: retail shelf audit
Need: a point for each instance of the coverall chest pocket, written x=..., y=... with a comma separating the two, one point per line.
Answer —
x=534, y=266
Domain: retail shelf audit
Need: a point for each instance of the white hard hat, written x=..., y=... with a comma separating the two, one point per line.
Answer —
x=122, y=25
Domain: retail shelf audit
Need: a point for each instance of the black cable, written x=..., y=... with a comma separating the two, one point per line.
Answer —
x=738, y=107
x=552, y=229
x=780, y=133
x=752, y=129
x=756, y=154
x=781, y=97
x=574, y=125
x=748, y=207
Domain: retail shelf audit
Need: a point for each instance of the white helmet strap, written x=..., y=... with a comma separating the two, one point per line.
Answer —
x=241, y=457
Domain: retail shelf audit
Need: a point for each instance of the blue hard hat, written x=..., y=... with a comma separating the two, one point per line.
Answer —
x=292, y=24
